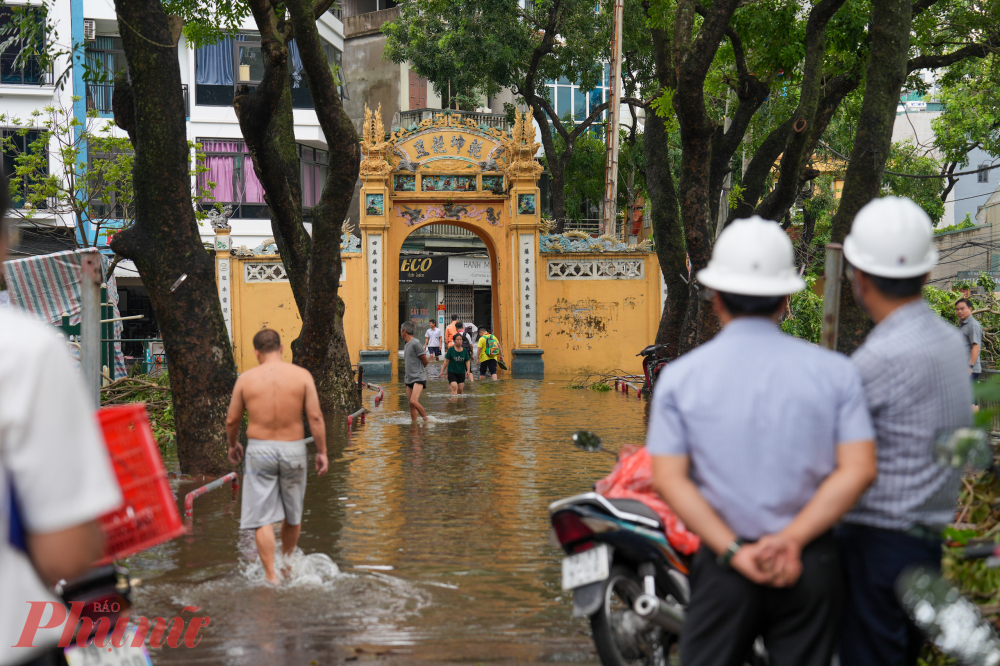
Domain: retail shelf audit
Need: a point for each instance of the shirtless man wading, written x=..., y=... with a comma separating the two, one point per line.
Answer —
x=274, y=476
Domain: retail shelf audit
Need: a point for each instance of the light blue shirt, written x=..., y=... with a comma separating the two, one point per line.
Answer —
x=760, y=414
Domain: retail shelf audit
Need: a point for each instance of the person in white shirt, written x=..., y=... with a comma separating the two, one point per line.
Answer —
x=56, y=477
x=432, y=340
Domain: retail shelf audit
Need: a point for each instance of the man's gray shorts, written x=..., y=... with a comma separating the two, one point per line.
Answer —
x=274, y=482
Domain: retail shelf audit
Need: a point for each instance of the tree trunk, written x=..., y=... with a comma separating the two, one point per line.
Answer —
x=313, y=263
x=164, y=242
x=324, y=345
x=693, y=59
x=887, y=70
x=665, y=219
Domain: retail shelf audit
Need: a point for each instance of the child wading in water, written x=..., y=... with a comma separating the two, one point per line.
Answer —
x=458, y=358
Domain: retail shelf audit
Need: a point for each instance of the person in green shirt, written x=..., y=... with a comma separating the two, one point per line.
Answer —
x=459, y=359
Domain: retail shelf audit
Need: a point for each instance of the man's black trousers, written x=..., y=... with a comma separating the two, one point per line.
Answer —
x=876, y=630
x=798, y=624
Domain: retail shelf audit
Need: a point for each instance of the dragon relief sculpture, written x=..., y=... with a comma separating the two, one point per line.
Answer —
x=374, y=147
x=520, y=148
x=405, y=163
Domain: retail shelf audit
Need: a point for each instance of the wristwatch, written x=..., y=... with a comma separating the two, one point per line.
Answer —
x=727, y=555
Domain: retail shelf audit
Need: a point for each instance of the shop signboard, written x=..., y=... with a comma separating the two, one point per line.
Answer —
x=423, y=269
x=469, y=270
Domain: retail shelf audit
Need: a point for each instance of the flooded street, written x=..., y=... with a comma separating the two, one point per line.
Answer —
x=422, y=544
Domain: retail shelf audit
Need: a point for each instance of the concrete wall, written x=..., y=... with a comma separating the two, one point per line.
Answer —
x=597, y=325
x=915, y=127
x=257, y=305
x=583, y=326
x=964, y=250
x=371, y=79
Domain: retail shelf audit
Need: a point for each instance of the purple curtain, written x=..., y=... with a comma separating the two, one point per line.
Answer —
x=254, y=191
x=220, y=171
x=312, y=184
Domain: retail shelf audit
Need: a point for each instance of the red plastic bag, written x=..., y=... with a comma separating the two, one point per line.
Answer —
x=632, y=478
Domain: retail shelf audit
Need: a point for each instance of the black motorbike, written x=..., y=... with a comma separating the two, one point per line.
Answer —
x=654, y=359
x=624, y=574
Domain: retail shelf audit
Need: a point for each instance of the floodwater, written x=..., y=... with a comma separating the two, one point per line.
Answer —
x=423, y=544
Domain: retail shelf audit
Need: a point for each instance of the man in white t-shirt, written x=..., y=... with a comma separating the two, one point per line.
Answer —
x=54, y=462
x=432, y=340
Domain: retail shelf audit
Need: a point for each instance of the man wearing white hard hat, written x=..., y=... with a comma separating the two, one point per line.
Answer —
x=760, y=443
x=915, y=372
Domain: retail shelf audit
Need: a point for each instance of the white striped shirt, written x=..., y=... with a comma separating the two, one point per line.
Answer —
x=916, y=377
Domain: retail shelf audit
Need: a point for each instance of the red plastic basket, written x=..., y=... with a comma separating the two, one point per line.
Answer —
x=149, y=513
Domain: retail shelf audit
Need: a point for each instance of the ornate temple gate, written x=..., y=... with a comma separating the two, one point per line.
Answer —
x=591, y=303
x=449, y=170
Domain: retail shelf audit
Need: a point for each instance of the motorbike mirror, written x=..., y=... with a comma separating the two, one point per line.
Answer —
x=587, y=441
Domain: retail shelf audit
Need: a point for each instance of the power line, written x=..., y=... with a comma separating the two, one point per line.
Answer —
x=911, y=175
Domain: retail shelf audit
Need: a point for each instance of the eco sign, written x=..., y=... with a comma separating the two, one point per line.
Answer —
x=423, y=269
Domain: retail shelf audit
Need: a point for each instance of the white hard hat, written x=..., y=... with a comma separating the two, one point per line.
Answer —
x=752, y=257
x=891, y=237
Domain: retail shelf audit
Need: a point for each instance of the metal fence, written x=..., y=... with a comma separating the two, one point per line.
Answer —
x=28, y=71
x=443, y=230
x=416, y=116
x=101, y=95
x=592, y=226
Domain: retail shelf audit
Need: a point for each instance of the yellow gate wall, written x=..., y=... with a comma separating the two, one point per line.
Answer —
x=270, y=304
x=584, y=325
x=597, y=325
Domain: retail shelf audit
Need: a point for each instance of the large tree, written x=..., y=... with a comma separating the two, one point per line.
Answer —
x=313, y=261
x=481, y=48
x=164, y=241
x=773, y=101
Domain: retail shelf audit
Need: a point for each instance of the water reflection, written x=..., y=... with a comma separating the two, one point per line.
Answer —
x=439, y=532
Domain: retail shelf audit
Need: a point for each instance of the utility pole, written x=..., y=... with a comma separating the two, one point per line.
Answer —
x=611, y=157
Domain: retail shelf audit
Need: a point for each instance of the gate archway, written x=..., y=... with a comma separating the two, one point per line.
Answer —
x=451, y=170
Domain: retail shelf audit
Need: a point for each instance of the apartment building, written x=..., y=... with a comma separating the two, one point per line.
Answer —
x=209, y=77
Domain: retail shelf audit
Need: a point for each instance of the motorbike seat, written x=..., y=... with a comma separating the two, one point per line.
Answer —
x=652, y=350
x=636, y=507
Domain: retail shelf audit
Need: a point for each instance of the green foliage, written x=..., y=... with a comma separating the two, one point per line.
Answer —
x=77, y=169
x=154, y=390
x=208, y=21
x=805, y=318
x=584, y=174
x=967, y=223
x=926, y=192
x=54, y=173
x=601, y=387
x=970, y=92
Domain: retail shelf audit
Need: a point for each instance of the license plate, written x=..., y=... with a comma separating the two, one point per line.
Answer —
x=590, y=566
x=95, y=656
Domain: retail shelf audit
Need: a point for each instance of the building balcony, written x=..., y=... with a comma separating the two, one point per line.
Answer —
x=368, y=23
x=415, y=116
x=101, y=95
x=27, y=73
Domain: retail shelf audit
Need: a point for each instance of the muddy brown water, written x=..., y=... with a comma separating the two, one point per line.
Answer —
x=423, y=544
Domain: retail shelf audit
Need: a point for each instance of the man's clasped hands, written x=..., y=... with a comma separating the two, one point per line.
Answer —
x=774, y=560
